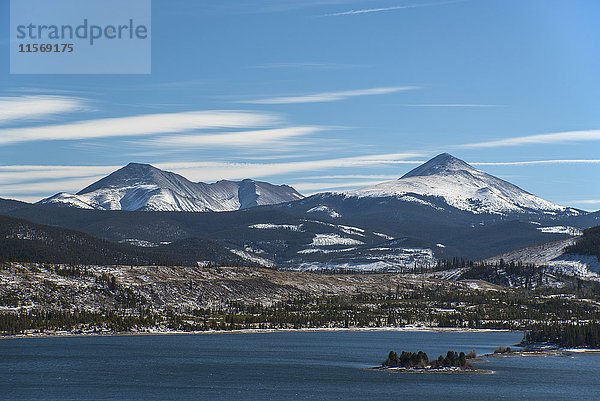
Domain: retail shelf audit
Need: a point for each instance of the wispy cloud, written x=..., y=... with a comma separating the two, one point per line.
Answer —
x=25, y=181
x=207, y=171
x=25, y=108
x=20, y=174
x=534, y=162
x=49, y=187
x=238, y=139
x=586, y=202
x=560, y=137
x=329, y=96
x=311, y=187
x=358, y=176
x=149, y=124
x=267, y=6
x=453, y=105
x=392, y=8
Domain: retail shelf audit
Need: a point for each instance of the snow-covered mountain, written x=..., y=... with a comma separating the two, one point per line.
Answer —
x=144, y=187
x=463, y=187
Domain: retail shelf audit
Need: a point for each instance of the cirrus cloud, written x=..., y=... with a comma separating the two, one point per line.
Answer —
x=141, y=125
x=559, y=137
x=238, y=139
x=392, y=8
x=329, y=96
x=34, y=107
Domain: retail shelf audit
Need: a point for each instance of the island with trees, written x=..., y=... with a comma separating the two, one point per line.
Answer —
x=453, y=362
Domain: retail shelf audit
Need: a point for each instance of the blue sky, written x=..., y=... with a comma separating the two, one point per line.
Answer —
x=324, y=95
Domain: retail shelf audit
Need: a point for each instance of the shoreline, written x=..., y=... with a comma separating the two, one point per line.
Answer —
x=447, y=371
x=541, y=352
x=533, y=353
x=62, y=334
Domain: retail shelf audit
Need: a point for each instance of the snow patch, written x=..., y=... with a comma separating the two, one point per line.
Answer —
x=572, y=231
x=324, y=209
x=351, y=230
x=408, y=198
x=367, y=267
x=387, y=237
x=253, y=258
x=139, y=242
x=333, y=239
x=320, y=250
x=267, y=226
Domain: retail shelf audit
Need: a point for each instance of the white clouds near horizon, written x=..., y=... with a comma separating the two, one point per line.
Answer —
x=312, y=187
x=47, y=188
x=24, y=181
x=47, y=180
x=20, y=174
x=585, y=201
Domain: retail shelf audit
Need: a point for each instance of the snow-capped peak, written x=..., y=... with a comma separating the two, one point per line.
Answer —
x=441, y=164
x=144, y=187
x=464, y=187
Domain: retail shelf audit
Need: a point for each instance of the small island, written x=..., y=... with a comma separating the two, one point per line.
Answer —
x=411, y=362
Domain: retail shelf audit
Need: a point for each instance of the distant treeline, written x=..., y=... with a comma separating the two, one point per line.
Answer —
x=72, y=321
x=565, y=335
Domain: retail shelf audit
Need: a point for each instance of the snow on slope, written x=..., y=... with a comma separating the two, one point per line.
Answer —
x=144, y=187
x=269, y=226
x=553, y=255
x=581, y=265
x=253, y=258
x=572, y=231
x=324, y=209
x=333, y=239
x=463, y=187
x=538, y=254
x=399, y=260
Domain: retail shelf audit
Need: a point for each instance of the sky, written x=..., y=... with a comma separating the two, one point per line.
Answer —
x=324, y=95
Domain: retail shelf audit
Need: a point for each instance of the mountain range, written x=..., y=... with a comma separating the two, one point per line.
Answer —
x=443, y=183
x=144, y=187
x=442, y=209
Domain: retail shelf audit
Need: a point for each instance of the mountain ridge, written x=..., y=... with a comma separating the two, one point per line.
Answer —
x=464, y=187
x=144, y=187
x=442, y=183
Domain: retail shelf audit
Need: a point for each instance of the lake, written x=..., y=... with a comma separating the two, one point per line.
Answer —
x=280, y=366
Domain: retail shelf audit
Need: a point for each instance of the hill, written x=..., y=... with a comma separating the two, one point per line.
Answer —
x=23, y=241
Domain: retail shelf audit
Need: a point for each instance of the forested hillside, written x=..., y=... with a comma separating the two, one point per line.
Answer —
x=589, y=244
x=23, y=241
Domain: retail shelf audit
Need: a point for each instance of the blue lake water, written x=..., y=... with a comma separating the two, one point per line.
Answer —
x=280, y=366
